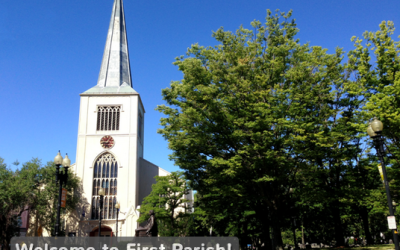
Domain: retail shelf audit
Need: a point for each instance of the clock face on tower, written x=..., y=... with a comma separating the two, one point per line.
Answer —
x=107, y=142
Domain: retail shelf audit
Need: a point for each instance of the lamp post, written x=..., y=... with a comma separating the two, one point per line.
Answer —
x=374, y=130
x=101, y=193
x=61, y=178
x=117, y=206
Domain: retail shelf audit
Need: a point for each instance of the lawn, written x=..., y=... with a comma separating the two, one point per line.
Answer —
x=371, y=247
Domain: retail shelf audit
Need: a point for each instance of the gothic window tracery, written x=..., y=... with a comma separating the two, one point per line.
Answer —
x=105, y=174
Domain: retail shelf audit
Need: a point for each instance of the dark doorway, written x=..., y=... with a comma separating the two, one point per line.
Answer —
x=105, y=232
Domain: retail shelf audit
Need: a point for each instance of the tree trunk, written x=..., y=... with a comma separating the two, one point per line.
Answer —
x=262, y=214
x=277, y=237
x=4, y=225
x=278, y=243
x=364, y=216
x=339, y=237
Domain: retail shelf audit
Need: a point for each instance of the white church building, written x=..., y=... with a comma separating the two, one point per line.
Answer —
x=110, y=144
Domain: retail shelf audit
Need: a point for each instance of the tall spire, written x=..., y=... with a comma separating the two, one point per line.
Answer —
x=115, y=68
x=115, y=71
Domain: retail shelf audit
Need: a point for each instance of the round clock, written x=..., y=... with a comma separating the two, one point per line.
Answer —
x=107, y=142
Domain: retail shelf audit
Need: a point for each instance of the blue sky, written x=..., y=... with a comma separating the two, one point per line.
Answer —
x=50, y=52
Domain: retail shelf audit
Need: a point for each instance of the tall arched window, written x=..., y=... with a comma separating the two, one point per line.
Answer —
x=105, y=175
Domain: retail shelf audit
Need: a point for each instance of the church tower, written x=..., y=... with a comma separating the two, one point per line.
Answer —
x=110, y=141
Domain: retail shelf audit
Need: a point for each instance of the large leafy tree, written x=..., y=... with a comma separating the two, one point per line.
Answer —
x=243, y=119
x=346, y=184
x=338, y=178
x=168, y=199
x=46, y=197
x=233, y=217
x=32, y=186
x=15, y=192
x=375, y=63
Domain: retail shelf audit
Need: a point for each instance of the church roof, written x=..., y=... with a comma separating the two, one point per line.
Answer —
x=115, y=71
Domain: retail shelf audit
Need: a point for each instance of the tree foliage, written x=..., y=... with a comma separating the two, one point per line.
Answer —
x=244, y=118
x=168, y=199
x=33, y=186
x=375, y=64
x=46, y=197
x=261, y=114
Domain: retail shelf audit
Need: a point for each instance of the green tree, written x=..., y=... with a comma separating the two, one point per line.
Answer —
x=242, y=121
x=46, y=197
x=31, y=186
x=235, y=217
x=375, y=64
x=15, y=192
x=168, y=200
x=379, y=79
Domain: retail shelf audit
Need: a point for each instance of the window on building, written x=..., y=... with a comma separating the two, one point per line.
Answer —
x=19, y=221
x=105, y=175
x=140, y=126
x=108, y=117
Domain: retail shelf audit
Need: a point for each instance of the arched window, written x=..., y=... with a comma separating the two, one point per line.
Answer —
x=95, y=170
x=104, y=170
x=94, y=187
x=115, y=210
x=111, y=187
x=105, y=175
x=110, y=208
x=106, y=188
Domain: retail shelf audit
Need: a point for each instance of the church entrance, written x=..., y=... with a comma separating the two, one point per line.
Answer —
x=105, y=232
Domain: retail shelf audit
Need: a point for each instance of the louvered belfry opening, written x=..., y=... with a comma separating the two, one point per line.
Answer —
x=105, y=175
x=108, y=118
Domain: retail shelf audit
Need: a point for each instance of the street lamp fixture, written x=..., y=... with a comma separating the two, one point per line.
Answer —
x=374, y=130
x=61, y=178
x=117, y=206
x=101, y=193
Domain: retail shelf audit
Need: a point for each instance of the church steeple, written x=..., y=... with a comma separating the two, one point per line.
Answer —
x=115, y=71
